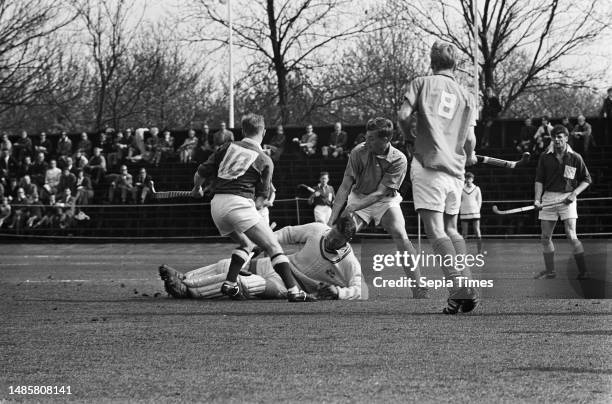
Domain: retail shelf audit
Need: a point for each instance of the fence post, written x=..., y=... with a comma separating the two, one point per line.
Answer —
x=297, y=209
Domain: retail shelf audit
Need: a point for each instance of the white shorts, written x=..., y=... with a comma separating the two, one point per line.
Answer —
x=469, y=216
x=435, y=190
x=377, y=210
x=561, y=211
x=322, y=213
x=233, y=213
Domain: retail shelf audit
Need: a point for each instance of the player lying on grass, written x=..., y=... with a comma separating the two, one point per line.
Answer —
x=370, y=188
x=325, y=266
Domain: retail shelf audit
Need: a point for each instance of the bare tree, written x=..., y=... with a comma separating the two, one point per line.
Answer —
x=28, y=49
x=521, y=42
x=287, y=36
x=111, y=29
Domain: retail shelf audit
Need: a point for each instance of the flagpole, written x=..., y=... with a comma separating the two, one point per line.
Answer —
x=475, y=51
x=231, y=65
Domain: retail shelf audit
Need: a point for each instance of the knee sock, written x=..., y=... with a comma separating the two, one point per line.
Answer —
x=280, y=263
x=579, y=255
x=461, y=249
x=549, y=255
x=444, y=247
x=239, y=257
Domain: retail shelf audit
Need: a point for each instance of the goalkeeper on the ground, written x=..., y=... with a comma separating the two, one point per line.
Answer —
x=325, y=265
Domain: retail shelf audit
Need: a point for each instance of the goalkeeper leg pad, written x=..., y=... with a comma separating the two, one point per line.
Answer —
x=251, y=285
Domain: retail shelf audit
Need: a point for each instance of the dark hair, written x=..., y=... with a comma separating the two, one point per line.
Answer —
x=545, y=118
x=252, y=124
x=347, y=227
x=323, y=173
x=469, y=175
x=443, y=56
x=382, y=127
x=559, y=129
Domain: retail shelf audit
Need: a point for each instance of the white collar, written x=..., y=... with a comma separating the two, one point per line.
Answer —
x=551, y=148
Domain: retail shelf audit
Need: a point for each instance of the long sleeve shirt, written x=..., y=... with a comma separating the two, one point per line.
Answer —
x=339, y=268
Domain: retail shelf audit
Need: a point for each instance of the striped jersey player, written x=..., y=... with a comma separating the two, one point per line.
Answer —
x=325, y=264
x=240, y=174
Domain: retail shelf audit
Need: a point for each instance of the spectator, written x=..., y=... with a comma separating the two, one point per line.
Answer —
x=206, y=138
x=582, y=136
x=25, y=167
x=36, y=211
x=96, y=167
x=5, y=143
x=5, y=210
x=39, y=169
x=606, y=113
x=123, y=182
x=151, y=145
x=222, y=136
x=165, y=151
x=19, y=207
x=50, y=213
x=143, y=186
x=30, y=189
x=323, y=199
x=526, y=136
x=566, y=122
x=337, y=142
x=542, y=137
x=105, y=143
x=70, y=165
x=66, y=210
x=8, y=165
x=308, y=142
x=2, y=186
x=64, y=148
x=186, y=149
x=67, y=180
x=275, y=147
x=490, y=112
x=84, y=145
x=84, y=189
x=12, y=188
x=23, y=147
x=137, y=150
x=80, y=161
x=52, y=178
x=116, y=155
x=361, y=138
x=44, y=145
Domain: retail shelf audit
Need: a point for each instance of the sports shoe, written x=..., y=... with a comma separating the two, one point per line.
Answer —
x=545, y=275
x=462, y=300
x=231, y=290
x=173, y=282
x=420, y=293
x=301, y=296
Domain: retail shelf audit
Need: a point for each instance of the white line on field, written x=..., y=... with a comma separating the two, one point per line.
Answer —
x=83, y=280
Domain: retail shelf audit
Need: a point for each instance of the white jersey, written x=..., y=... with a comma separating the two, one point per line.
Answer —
x=339, y=268
x=471, y=202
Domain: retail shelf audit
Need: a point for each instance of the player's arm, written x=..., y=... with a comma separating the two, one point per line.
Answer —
x=408, y=106
x=205, y=171
x=539, y=182
x=469, y=147
x=341, y=197
x=370, y=199
x=353, y=291
x=296, y=234
x=478, y=198
x=584, y=177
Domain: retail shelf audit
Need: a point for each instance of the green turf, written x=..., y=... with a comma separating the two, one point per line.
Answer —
x=112, y=334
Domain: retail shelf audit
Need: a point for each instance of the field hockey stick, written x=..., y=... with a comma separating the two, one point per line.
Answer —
x=307, y=188
x=504, y=163
x=524, y=208
x=171, y=194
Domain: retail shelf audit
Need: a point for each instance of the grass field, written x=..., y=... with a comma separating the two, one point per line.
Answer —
x=95, y=317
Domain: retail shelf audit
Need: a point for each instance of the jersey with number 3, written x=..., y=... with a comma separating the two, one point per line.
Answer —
x=240, y=168
x=445, y=113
